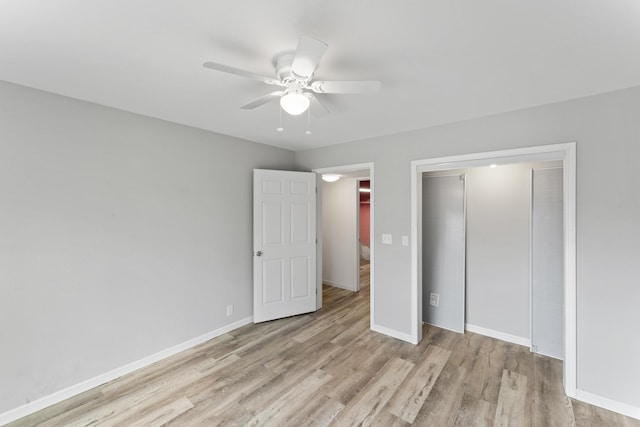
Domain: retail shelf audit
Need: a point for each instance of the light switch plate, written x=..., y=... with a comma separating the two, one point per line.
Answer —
x=386, y=239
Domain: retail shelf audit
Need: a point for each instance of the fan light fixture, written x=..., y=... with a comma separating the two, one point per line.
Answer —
x=294, y=74
x=294, y=103
x=329, y=177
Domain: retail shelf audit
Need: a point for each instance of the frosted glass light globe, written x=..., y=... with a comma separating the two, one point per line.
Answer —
x=294, y=103
x=329, y=177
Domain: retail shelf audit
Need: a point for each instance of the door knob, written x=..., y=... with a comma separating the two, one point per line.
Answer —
x=259, y=253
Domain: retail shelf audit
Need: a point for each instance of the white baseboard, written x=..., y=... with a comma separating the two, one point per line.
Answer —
x=59, y=396
x=498, y=335
x=338, y=285
x=611, y=405
x=393, y=333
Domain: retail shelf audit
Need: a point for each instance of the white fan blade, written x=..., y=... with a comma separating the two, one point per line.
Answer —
x=370, y=86
x=243, y=73
x=308, y=55
x=318, y=109
x=263, y=100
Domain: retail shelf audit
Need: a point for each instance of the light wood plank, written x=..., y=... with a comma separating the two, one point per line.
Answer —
x=142, y=398
x=213, y=396
x=387, y=419
x=288, y=404
x=320, y=411
x=512, y=400
x=443, y=403
x=160, y=416
x=416, y=388
x=550, y=407
x=353, y=332
x=375, y=395
x=475, y=413
x=353, y=374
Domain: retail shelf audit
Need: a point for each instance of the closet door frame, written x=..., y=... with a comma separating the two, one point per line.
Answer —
x=566, y=152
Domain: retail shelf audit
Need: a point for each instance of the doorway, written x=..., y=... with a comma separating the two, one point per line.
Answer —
x=364, y=230
x=562, y=152
x=492, y=255
x=355, y=173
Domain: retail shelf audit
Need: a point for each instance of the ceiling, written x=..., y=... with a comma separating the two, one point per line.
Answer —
x=438, y=61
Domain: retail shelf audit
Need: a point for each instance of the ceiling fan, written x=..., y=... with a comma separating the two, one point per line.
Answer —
x=294, y=71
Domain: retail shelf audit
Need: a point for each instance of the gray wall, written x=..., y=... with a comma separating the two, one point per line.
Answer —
x=607, y=131
x=340, y=233
x=120, y=236
x=498, y=242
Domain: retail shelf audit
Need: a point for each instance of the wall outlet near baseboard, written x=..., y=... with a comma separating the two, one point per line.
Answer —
x=434, y=299
x=230, y=310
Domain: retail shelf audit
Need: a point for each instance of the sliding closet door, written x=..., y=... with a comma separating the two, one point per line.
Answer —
x=443, y=251
x=547, y=264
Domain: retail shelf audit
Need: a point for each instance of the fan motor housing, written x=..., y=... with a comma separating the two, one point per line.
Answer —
x=283, y=63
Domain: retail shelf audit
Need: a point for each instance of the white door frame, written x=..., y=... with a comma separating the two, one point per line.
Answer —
x=565, y=152
x=338, y=170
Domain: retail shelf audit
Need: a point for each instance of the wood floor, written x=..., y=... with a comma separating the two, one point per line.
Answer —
x=328, y=368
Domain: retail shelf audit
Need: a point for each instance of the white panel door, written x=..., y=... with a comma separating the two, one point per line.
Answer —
x=284, y=244
x=443, y=251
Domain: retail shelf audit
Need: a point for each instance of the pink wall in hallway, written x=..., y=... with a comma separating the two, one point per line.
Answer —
x=364, y=223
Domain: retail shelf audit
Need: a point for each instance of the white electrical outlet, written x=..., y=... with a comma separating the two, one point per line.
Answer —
x=386, y=239
x=405, y=240
x=230, y=310
x=435, y=299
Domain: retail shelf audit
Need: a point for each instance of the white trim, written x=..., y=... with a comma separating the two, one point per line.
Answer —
x=464, y=250
x=319, y=196
x=393, y=333
x=339, y=285
x=372, y=242
x=356, y=279
x=351, y=168
x=611, y=405
x=497, y=335
x=59, y=396
x=346, y=168
x=570, y=276
x=531, y=260
x=565, y=152
x=416, y=255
